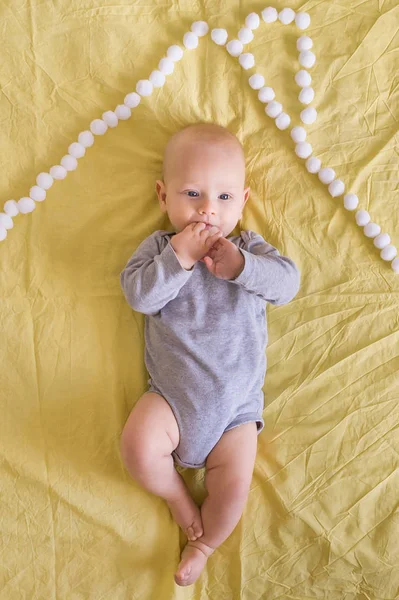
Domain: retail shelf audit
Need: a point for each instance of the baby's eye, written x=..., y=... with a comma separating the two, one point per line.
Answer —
x=193, y=194
x=226, y=196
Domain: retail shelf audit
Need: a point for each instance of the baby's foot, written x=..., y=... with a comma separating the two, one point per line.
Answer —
x=187, y=514
x=193, y=560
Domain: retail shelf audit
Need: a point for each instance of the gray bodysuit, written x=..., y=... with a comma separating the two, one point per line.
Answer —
x=206, y=337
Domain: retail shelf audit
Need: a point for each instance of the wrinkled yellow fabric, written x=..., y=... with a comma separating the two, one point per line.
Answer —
x=321, y=519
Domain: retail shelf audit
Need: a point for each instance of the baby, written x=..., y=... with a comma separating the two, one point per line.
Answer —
x=204, y=295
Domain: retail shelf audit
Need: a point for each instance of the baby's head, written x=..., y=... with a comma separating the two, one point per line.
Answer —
x=203, y=178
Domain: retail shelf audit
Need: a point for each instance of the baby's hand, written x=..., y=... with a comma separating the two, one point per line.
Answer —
x=224, y=260
x=193, y=242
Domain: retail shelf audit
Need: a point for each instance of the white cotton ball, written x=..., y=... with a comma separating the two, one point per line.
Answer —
x=309, y=115
x=283, y=121
x=247, y=60
x=98, y=127
x=303, y=78
x=26, y=205
x=351, y=201
x=269, y=14
x=273, y=109
x=219, y=36
x=286, y=16
x=37, y=193
x=190, y=40
x=3, y=234
x=144, y=87
x=234, y=47
x=336, y=188
x=256, y=81
x=395, y=265
x=303, y=149
x=304, y=43
x=133, y=99
x=77, y=150
x=166, y=66
x=371, y=230
x=382, y=240
x=327, y=175
x=175, y=53
x=110, y=118
x=388, y=253
x=200, y=28
x=298, y=134
x=302, y=20
x=362, y=218
x=6, y=221
x=11, y=208
x=86, y=138
x=313, y=164
x=266, y=94
x=123, y=112
x=245, y=35
x=157, y=78
x=44, y=180
x=69, y=163
x=58, y=172
x=252, y=21
x=306, y=95
x=307, y=59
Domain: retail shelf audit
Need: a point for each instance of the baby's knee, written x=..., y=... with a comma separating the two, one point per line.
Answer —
x=135, y=455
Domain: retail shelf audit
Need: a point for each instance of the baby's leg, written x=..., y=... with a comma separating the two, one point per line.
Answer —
x=228, y=476
x=148, y=439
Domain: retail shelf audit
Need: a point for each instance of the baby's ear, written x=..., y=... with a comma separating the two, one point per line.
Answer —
x=161, y=191
x=246, y=193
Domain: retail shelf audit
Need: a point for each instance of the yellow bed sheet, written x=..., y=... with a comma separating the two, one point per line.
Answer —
x=322, y=515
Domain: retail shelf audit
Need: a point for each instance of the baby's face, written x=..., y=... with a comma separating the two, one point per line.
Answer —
x=204, y=183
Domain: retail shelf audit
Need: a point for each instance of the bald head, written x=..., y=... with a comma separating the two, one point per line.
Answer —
x=196, y=139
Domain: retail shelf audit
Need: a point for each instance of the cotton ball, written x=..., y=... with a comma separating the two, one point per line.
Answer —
x=371, y=230
x=157, y=78
x=307, y=59
x=362, y=218
x=247, y=60
x=26, y=205
x=382, y=240
x=86, y=138
x=245, y=35
x=37, y=193
x=256, y=81
x=298, y=134
x=266, y=94
x=3, y=234
x=166, y=66
x=304, y=43
x=309, y=115
x=110, y=118
x=273, y=109
x=303, y=78
x=286, y=16
x=351, y=201
x=269, y=14
x=219, y=36
x=306, y=95
x=283, y=121
x=302, y=20
x=327, y=175
x=336, y=188
x=133, y=99
x=11, y=208
x=190, y=40
x=77, y=150
x=58, y=172
x=313, y=164
x=144, y=87
x=252, y=21
x=388, y=253
x=303, y=149
x=44, y=180
x=200, y=28
x=234, y=47
x=395, y=265
x=6, y=221
x=69, y=163
x=98, y=127
x=123, y=112
x=174, y=53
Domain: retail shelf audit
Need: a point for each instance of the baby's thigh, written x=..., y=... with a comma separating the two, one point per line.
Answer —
x=151, y=429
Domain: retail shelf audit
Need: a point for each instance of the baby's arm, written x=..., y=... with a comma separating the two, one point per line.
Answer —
x=273, y=277
x=152, y=278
